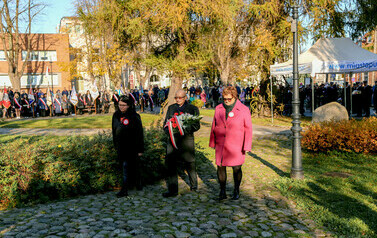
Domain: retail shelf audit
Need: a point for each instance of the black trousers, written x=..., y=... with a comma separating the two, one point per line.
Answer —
x=173, y=165
x=43, y=112
x=130, y=166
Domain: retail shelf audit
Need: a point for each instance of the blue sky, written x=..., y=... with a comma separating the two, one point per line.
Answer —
x=49, y=19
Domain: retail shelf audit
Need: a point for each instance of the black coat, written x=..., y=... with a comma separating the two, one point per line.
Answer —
x=128, y=135
x=185, y=144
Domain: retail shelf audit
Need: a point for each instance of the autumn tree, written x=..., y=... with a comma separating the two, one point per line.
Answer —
x=16, y=18
x=228, y=38
x=98, y=57
x=133, y=36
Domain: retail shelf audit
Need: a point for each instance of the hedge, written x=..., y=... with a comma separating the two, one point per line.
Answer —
x=358, y=136
x=39, y=169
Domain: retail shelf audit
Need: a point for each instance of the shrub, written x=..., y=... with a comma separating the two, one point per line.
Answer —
x=198, y=103
x=59, y=167
x=350, y=136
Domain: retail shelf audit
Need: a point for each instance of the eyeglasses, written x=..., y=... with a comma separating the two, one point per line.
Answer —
x=179, y=97
x=123, y=105
x=227, y=99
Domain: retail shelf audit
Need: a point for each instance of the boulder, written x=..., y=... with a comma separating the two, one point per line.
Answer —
x=330, y=111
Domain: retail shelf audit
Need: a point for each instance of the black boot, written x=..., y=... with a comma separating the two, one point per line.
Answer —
x=222, y=194
x=169, y=194
x=122, y=193
x=236, y=194
x=139, y=185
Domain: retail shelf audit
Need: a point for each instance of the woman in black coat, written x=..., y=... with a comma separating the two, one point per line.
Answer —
x=128, y=138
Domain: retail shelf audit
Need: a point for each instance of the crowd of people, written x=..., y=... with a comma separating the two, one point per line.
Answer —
x=37, y=103
x=358, y=99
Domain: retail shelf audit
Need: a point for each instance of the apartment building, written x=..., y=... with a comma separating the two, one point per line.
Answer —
x=44, y=67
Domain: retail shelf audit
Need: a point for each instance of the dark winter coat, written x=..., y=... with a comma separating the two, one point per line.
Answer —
x=185, y=144
x=128, y=136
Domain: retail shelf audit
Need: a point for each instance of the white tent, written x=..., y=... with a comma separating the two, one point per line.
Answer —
x=330, y=55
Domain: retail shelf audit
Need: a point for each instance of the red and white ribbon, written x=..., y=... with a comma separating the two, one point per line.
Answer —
x=171, y=134
x=179, y=125
x=27, y=103
x=15, y=100
x=43, y=102
x=60, y=105
x=133, y=98
x=116, y=98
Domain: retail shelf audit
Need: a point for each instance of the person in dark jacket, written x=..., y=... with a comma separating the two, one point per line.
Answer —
x=186, y=148
x=128, y=140
x=115, y=99
x=42, y=105
x=375, y=96
x=367, y=98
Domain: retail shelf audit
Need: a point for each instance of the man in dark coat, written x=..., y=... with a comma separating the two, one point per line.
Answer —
x=186, y=147
x=367, y=98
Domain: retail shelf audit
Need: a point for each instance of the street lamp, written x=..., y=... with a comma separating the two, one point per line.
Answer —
x=296, y=170
x=52, y=79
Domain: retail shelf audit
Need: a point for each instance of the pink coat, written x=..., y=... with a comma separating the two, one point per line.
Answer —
x=231, y=137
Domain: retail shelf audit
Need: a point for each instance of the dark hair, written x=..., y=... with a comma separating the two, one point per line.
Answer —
x=128, y=100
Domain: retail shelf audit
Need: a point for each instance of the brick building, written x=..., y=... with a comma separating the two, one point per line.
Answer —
x=368, y=42
x=49, y=53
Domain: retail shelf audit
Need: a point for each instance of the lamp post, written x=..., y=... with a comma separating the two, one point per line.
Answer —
x=52, y=79
x=296, y=170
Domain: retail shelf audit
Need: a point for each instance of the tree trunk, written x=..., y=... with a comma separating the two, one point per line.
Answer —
x=15, y=81
x=176, y=84
x=144, y=78
x=224, y=74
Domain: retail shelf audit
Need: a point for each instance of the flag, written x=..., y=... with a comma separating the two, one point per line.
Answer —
x=121, y=92
x=31, y=96
x=48, y=97
x=5, y=100
x=94, y=90
x=74, y=99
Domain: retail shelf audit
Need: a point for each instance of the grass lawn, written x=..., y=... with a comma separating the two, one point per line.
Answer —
x=84, y=122
x=104, y=121
x=339, y=192
x=282, y=121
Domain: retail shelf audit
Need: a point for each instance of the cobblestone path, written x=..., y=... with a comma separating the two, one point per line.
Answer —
x=147, y=214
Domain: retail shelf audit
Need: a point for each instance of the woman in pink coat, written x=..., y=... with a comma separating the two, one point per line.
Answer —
x=231, y=137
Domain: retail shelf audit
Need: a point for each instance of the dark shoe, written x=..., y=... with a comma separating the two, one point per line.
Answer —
x=122, y=193
x=236, y=195
x=139, y=187
x=169, y=194
x=222, y=195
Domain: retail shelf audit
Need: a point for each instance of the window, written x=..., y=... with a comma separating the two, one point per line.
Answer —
x=2, y=55
x=40, y=55
x=68, y=27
